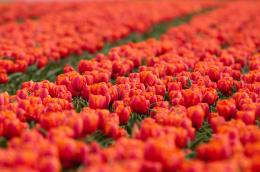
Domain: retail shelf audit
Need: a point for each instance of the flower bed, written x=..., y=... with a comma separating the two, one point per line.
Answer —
x=187, y=102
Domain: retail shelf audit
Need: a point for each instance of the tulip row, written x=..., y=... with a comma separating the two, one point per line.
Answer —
x=19, y=12
x=197, y=73
x=86, y=29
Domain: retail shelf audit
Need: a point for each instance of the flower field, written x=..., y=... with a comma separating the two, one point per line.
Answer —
x=130, y=86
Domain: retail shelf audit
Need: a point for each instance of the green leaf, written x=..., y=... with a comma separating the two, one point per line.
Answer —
x=213, y=108
x=202, y=135
x=3, y=142
x=113, y=81
x=32, y=69
x=222, y=96
x=234, y=89
x=189, y=84
x=245, y=69
x=100, y=138
x=79, y=103
x=166, y=96
x=14, y=76
x=32, y=124
x=135, y=119
x=135, y=70
x=43, y=131
x=191, y=155
x=111, y=109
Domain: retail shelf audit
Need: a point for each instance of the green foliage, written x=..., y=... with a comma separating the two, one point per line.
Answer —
x=79, y=103
x=43, y=131
x=135, y=119
x=234, y=89
x=135, y=70
x=189, y=84
x=113, y=81
x=222, y=96
x=3, y=142
x=245, y=69
x=202, y=135
x=213, y=108
x=166, y=96
x=100, y=138
x=32, y=124
x=191, y=155
x=104, y=141
x=110, y=107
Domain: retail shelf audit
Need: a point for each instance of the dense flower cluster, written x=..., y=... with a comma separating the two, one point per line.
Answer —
x=85, y=27
x=20, y=11
x=196, y=74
